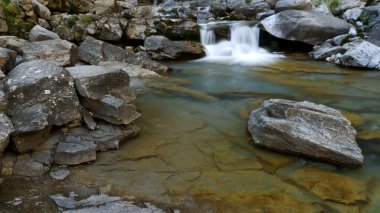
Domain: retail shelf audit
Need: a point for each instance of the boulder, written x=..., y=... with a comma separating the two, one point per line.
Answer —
x=45, y=83
x=74, y=6
x=306, y=26
x=362, y=55
x=26, y=166
x=374, y=34
x=40, y=9
x=2, y=75
x=7, y=59
x=322, y=8
x=61, y=52
x=132, y=70
x=95, y=51
x=76, y=147
x=104, y=7
x=219, y=9
x=345, y=5
x=249, y=11
x=178, y=29
x=140, y=28
x=3, y=101
x=3, y=26
x=352, y=14
x=305, y=128
x=6, y=128
x=110, y=29
x=161, y=48
x=105, y=92
x=13, y=43
x=31, y=126
x=293, y=5
x=327, y=50
x=38, y=33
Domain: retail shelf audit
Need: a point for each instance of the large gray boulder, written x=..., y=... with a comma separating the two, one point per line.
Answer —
x=305, y=128
x=13, y=43
x=361, y=55
x=306, y=26
x=7, y=59
x=94, y=51
x=61, y=52
x=38, y=33
x=45, y=83
x=161, y=48
x=105, y=92
x=293, y=5
x=6, y=128
x=249, y=11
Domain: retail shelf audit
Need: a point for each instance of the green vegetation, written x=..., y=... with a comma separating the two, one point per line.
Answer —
x=70, y=20
x=86, y=18
x=332, y=4
x=365, y=18
x=13, y=17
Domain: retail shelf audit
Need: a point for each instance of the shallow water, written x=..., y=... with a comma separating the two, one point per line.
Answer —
x=194, y=152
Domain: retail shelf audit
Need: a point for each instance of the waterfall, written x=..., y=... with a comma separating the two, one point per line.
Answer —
x=242, y=47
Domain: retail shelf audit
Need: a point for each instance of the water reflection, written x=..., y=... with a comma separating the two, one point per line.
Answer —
x=194, y=151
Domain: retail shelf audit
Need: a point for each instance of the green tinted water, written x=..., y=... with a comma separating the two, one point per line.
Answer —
x=194, y=152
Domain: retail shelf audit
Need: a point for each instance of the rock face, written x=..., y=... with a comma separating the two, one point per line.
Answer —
x=374, y=34
x=305, y=128
x=105, y=92
x=58, y=51
x=6, y=128
x=38, y=33
x=94, y=51
x=160, y=47
x=362, y=55
x=306, y=26
x=293, y=5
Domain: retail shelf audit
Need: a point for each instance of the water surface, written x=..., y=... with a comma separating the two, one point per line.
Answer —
x=194, y=151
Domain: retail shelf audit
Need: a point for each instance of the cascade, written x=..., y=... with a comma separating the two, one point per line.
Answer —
x=242, y=47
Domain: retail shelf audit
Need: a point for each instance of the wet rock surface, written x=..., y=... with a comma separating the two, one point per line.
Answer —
x=305, y=128
x=306, y=26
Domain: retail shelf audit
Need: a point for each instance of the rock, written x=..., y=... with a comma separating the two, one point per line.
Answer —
x=105, y=92
x=7, y=59
x=327, y=50
x=219, y=9
x=94, y=51
x=341, y=39
x=2, y=76
x=293, y=5
x=362, y=55
x=7, y=163
x=75, y=148
x=178, y=29
x=132, y=70
x=108, y=136
x=88, y=119
x=43, y=156
x=26, y=166
x=31, y=127
x=13, y=43
x=161, y=48
x=74, y=6
x=305, y=26
x=16, y=202
x=60, y=174
x=262, y=15
x=38, y=33
x=6, y=128
x=352, y=14
x=110, y=29
x=64, y=202
x=249, y=11
x=42, y=82
x=305, y=128
x=3, y=101
x=322, y=8
x=374, y=35
x=41, y=10
x=58, y=51
x=140, y=28
x=345, y=5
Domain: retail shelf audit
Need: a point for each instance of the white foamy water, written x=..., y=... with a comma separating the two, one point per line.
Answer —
x=242, y=47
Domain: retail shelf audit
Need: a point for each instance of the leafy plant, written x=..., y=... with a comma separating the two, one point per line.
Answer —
x=365, y=18
x=70, y=20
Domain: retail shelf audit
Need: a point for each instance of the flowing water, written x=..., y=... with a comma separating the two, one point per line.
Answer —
x=194, y=152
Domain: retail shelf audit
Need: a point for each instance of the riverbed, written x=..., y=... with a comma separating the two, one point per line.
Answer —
x=194, y=152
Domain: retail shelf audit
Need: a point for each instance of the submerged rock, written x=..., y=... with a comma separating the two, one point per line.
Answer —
x=306, y=26
x=60, y=174
x=160, y=47
x=305, y=128
x=27, y=166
